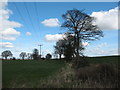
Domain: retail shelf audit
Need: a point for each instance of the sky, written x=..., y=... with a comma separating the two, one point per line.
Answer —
x=25, y=25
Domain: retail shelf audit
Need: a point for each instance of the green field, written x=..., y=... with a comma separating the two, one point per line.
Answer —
x=104, y=59
x=18, y=72
x=28, y=71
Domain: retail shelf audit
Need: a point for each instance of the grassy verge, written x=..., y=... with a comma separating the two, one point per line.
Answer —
x=87, y=77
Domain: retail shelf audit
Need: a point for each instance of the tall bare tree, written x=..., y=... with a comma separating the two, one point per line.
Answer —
x=81, y=25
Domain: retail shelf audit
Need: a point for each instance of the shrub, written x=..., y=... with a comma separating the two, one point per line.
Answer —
x=13, y=58
x=48, y=56
x=105, y=74
x=79, y=62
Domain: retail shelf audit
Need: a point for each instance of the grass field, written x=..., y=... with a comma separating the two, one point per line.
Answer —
x=104, y=59
x=28, y=71
x=18, y=72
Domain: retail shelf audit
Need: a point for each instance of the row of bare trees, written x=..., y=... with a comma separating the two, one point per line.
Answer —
x=23, y=55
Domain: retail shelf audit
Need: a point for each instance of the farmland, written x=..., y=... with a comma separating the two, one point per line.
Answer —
x=104, y=59
x=30, y=73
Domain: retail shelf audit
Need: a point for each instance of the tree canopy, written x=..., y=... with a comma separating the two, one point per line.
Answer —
x=48, y=56
x=82, y=26
x=7, y=54
x=35, y=54
x=23, y=55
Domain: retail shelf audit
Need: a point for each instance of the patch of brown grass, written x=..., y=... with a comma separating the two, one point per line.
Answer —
x=103, y=74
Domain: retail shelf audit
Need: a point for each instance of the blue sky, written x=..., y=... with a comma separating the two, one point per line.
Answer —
x=32, y=25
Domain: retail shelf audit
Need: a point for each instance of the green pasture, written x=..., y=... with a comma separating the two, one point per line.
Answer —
x=21, y=71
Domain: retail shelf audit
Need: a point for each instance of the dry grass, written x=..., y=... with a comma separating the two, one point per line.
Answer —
x=99, y=75
x=87, y=77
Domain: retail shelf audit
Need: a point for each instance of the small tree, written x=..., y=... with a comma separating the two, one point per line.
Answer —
x=59, y=48
x=29, y=55
x=13, y=58
x=66, y=46
x=55, y=55
x=23, y=55
x=6, y=54
x=48, y=56
x=35, y=54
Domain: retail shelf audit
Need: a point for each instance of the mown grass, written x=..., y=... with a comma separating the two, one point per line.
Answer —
x=24, y=71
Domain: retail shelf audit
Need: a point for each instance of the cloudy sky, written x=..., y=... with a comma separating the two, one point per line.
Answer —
x=25, y=25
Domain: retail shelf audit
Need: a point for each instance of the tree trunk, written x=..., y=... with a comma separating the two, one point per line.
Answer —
x=6, y=58
x=60, y=56
x=77, y=45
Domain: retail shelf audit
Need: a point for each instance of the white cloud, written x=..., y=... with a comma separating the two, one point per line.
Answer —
x=9, y=34
x=118, y=50
x=28, y=34
x=54, y=37
x=52, y=22
x=113, y=51
x=3, y=3
x=107, y=20
x=101, y=50
x=6, y=45
x=7, y=27
x=102, y=45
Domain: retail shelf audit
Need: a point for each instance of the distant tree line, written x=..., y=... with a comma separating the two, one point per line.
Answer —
x=23, y=55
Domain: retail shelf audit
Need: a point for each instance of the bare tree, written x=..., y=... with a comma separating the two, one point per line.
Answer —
x=55, y=55
x=23, y=55
x=59, y=48
x=81, y=25
x=35, y=54
x=65, y=46
x=69, y=48
x=6, y=54
x=29, y=55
